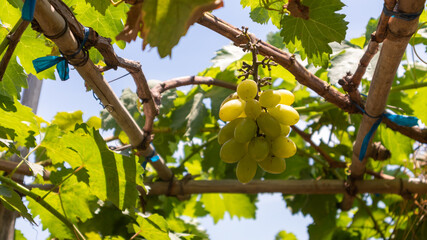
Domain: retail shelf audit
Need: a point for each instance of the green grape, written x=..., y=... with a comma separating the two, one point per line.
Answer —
x=247, y=89
x=268, y=125
x=258, y=148
x=229, y=97
x=245, y=130
x=286, y=97
x=246, y=169
x=227, y=132
x=252, y=108
x=231, y=110
x=232, y=151
x=273, y=164
x=284, y=129
x=269, y=98
x=285, y=114
x=283, y=147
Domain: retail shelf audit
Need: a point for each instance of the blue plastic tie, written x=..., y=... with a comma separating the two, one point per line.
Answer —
x=43, y=63
x=154, y=157
x=28, y=10
x=402, y=15
x=406, y=121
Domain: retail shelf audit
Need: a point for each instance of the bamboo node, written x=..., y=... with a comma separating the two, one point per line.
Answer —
x=109, y=108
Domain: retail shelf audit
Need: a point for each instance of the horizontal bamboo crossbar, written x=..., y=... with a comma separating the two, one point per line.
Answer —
x=396, y=186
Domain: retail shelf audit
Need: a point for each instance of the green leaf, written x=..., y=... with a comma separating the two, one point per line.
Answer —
x=14, y=79
x=19, y=235
x=259, y=15
x=72, y=193
x=224, y=57
x=56, y=148
x=215, y=205
x=262, y=11
x=153, y=227
x=23, y=122
x=100, y=5
x=343, y=59
x=165, y=22
x=196, y=116
x=49, y=221
x=283, y=235
x=399, y=145
x=102, y=164
x=360, y=41
x=238, y=205
x=5, y=191
x=418, y=104
x=107, y=24
x=30, y=47
x=66, y=121
x=323, y=27
x=12, y=201
x=275, y=39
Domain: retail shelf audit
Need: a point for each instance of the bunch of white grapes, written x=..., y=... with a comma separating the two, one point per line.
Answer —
x=257, y=129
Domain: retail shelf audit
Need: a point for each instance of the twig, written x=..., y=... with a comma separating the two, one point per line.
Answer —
x=14, y=38
x=372, y=217
x=307, y=137
x=350, y=83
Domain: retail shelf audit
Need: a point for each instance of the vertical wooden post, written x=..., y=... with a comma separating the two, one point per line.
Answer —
x=30, y=99
x=394, y=46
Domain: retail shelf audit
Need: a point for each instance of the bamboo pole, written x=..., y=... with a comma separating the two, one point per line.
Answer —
x=394, y=46
x=52, y=23
x=327, y=186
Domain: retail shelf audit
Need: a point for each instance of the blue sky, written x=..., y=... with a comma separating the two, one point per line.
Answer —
x=191, y=56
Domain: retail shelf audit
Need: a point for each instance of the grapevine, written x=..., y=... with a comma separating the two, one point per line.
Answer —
x=258, y=121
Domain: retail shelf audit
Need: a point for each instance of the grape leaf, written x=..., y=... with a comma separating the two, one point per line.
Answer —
x=66, y=121
x=102, y=164
x=283, y=235
x=225, y=56
x=238, y=205
x=400, y=150
x=164, y=22
x=31, y=45
x=214, y=205
x=23, y=122
x=153, y=227
x=12, y=201
x=196, y=116
x=56, y=148
x=260, y=15
x=323, y=26
x=262, y=11
x=100, y=5
x=13, y=81
x=19, y=235
x=343, y=59
x=107, y=24
x=56, y=227
x=418, y=104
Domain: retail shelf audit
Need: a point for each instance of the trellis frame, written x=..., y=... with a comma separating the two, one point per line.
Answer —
x=51, y=16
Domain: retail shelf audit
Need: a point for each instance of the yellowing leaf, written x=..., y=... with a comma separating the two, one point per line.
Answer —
x=163, y=22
